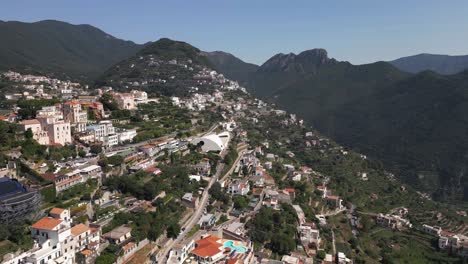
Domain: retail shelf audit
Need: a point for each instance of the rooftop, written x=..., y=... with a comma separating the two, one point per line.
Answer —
x=79, y=229
x=47, y=223
x=207, y=247
x=118, y=232
x=56, y=211
x=30, y=122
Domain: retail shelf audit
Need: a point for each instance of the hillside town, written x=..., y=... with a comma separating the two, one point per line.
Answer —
x=215, y=176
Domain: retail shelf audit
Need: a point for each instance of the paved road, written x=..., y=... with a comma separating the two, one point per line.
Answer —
x=195, y=217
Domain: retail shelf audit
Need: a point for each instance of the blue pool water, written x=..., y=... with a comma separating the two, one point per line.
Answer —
x=230, y=244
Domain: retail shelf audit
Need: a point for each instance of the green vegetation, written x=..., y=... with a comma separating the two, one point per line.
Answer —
x=414, y=124
x=28, y=108
x=13, y=237
x=60, y=49
x=276, y=229
x=163, y=78
x=8, y=137
x=150, y=225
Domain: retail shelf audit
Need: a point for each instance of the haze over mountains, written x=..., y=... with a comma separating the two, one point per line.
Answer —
x=411, y=119
x=443, y=64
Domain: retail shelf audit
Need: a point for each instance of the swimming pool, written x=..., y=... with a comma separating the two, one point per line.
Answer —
x=230, y=244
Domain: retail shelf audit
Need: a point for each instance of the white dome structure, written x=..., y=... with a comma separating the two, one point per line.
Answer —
x=213, y=142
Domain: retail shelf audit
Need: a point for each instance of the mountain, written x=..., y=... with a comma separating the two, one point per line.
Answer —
x=443, y=64
x=415, y=124
x=166, y=67
x=60, y=49
x=231, y=66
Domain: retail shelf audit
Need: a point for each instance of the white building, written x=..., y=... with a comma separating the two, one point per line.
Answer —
x=74, y=114
x=59, y=131
x=39, y=134
x=56, y=241
x=104, y=132
x=213, y=142
x=127, y=135
x=125, y=101
x=239, y=188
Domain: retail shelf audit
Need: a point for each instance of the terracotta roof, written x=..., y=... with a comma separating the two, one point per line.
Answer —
x=79, y=229
x=47, y=223
x=48, y=176
x=232, y=261
x=128, y=245
x=207, y=247
x=72, y=103
x=86, y=252
x=56, y=211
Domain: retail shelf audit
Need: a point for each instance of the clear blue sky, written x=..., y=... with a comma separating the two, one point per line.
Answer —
x=359, y=31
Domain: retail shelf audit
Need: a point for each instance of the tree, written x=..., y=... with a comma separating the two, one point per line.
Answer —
x=173, y=230
x=115, y=160
x=81, y=153
x=108, y=102
x=321, y=254
x=282, y=243
x=240, y=202
x=106, y=258
x=28, y=134
x=96, y=149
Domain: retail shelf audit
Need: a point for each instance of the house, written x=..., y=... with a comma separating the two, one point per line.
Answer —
x=118, y=235
x=104, y=132
x=190, y=200
x=238, y=187
x=140, y=97
x=392, y=221
x=125, y=101
x=208, y=250
x=309, y=235
x=432, y=230
x=68, y=180
x=290, y=260
x=207, y=220
x=258, y=181
x=54, y=239
x=126, y=135
x=85, y=237
x=295, y=176
x=259, y=170
x=73, y=113
x=334, y=202
x=203, y=167
x=271, y=203
x=39, y=134
x=150, y=149
x=91, y=171
x=270, y=156
x=342, y=259
x=180, y=252
x=289, y=167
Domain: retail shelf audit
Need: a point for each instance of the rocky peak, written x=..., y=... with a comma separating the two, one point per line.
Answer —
x=305, y=62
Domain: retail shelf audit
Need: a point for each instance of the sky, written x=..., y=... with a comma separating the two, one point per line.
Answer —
x=359, y=31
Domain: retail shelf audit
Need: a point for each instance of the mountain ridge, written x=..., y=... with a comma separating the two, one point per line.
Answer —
x=442, y=64
x=60, y=49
